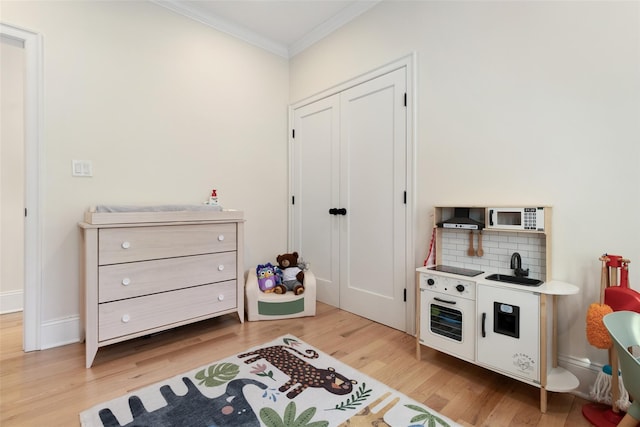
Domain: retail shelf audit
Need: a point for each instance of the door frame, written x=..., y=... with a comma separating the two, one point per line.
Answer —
x=409, y=63
x=33, y=117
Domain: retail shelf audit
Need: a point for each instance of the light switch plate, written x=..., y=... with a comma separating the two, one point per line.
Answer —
x=81, y=168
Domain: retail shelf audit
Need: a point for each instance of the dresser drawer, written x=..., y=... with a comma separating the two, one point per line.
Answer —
x=117, y=245
x=120, y=281
x=124, y=317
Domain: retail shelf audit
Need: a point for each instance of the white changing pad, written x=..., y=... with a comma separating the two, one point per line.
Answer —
x=121, y=214
x=156, y=208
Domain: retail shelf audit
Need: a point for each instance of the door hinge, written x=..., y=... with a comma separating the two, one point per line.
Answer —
x=405, y=294
x=293, y=200
x=405, y=197
x=25, y=212
x=293, y=133
x=405, y=99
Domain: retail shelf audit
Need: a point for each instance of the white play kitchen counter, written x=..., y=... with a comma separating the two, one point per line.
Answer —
x=508, y=328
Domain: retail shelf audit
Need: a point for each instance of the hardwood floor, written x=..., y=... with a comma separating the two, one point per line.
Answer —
x=51, y=387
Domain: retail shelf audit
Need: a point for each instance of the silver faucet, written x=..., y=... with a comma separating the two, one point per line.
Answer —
x=516, y=265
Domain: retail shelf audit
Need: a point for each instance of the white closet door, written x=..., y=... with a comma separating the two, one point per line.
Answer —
x=349, y=152
x=372, y=185
x=315, y=187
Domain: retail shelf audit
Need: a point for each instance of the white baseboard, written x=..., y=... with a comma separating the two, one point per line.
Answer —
x=585, y=370
x=59, y=332
x=11, y=301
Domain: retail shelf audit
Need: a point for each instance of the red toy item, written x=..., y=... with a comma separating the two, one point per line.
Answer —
x=213, y=199
x=619, y=297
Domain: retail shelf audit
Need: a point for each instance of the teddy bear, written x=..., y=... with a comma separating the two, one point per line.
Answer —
x=292, y=274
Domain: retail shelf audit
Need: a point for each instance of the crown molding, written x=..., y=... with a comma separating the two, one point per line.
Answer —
x=346, y=15
x=225, y=26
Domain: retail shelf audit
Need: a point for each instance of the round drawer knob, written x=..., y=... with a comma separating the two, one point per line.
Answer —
x=220, y=297
x=126, y=245
x=126, y=281
x=220, y=267
x=125, y=318
x=221, y=237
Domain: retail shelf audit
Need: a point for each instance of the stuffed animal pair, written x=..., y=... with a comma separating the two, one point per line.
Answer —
x=288, y=275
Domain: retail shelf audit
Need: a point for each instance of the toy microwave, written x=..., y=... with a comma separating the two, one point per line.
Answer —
x=525, y=219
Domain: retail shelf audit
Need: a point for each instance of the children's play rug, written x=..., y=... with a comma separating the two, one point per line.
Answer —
x=283, y=383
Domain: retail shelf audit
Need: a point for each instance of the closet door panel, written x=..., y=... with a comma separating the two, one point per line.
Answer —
x=315, y=182
x=373, y=171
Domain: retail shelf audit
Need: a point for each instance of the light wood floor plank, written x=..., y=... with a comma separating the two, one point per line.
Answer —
x=51, y=387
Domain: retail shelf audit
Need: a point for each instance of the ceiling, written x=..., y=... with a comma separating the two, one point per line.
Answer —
x=283, y=27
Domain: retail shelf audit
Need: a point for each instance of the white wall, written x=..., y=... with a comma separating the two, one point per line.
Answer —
x=518, y=103
x=166, y=109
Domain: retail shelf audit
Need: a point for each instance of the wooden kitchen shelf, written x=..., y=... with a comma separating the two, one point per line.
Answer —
x=558, y=287
x=562, y=381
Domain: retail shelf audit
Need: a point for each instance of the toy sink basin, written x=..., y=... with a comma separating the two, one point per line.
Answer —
x=525, y=281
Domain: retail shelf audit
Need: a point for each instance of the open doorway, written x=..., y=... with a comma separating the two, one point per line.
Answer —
x=12, y=74
x=30, y=44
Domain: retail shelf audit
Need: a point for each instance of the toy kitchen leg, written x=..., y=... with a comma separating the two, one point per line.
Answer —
x=552, y=376
x=543, y=348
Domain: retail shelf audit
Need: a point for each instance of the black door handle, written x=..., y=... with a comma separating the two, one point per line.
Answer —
x=342, y=211
x=444, y=300
x=333, y=211
x=484, y=318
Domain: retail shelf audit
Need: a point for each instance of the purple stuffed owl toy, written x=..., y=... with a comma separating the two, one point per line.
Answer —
x=268, y=277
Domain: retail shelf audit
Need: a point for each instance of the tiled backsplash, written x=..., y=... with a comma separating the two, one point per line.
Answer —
x=498, y=246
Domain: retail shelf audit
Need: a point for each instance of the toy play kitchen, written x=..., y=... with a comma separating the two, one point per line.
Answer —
x=478, y=302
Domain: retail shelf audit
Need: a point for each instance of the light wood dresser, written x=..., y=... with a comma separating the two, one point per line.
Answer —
x=146, y=272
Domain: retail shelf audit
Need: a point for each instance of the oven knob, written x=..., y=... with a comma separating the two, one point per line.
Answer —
x=460, y=288
x=430, y=282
